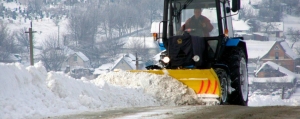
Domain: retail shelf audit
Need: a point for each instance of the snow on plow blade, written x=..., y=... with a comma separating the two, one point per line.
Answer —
x=202, y=81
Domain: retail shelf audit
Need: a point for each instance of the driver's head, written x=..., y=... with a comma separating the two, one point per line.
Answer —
x=197, y=12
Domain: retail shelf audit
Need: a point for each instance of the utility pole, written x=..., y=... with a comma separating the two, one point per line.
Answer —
x=136, y=62
x=31, y=43
x=57, y=36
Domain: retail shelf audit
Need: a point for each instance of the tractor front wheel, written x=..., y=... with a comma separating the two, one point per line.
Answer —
x=223, y=77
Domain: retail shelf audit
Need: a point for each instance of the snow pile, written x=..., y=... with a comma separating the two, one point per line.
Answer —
x=32, y=92
x=164, y=88
x=267, y=100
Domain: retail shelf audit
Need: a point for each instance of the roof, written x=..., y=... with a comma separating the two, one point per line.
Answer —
x=289, y=50
x=240, y=25
x=258, y=49
x=290, y=76
x=82, y=56
x=272, y=79
x=14, y=57
x=103, y=68
x=276, y=66
x=128, y=58
x=260, y=33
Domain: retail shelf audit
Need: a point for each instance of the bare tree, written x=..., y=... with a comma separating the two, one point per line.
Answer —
x=3, y=41
x=291, y=4
x=52, y=56
x=268, y=28
x=83, y=27
x=247, y=13
x=23, y=38
x=294, y=35
x=137, y=45
x=298, y=50
x=270, y=11
x=8, y=45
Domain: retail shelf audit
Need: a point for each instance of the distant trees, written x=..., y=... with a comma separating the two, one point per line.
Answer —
x=83, y=25
x=246, y=13
x=35, y=6
x=8, y=44
x=96, y=26
x=4, y=42
x=270, y=11
x=23, y=39
x=52, y=54
x=292, y=6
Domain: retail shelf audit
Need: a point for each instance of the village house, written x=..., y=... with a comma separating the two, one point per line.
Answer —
x=242, y=29
x=281, y=54
x=276, y=51
x=76, y=60
x=271, y=77
x=124, y=62
x=11, y=58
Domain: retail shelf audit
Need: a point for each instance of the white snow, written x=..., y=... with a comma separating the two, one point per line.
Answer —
x=156, y=27
x=32, y=92
x=272, y=79
x=140, y=42
x=258, y=49
x=240, y=25
x=82, y=56
x=289, y=51
x=278, y=67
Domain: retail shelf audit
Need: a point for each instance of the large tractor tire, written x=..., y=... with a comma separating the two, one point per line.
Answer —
x=239, y=77
x=223, y=77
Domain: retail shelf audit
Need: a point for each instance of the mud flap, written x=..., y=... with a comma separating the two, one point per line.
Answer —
x=202, y=81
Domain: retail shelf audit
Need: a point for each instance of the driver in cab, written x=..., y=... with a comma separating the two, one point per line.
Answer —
x=198, y=24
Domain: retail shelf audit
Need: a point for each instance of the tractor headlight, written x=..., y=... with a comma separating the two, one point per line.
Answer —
x=166, y=59
x=196, y=58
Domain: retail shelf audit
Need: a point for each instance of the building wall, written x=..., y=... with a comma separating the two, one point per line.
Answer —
x=278, y=56
x=72, y=61
x=278, y=34
x=123, y=65
x=269, y=73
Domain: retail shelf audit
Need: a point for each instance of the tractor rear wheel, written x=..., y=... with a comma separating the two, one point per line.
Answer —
x=239, y=77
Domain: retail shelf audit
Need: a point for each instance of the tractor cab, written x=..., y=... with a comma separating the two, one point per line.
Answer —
x=208, y=25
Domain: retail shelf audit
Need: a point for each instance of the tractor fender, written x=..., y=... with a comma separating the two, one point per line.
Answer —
x=238, y=42
x=222, y=66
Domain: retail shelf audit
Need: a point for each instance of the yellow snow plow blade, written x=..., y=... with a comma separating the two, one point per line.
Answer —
x=202, y=81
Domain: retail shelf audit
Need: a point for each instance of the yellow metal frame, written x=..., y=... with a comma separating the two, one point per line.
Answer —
x=202, y=81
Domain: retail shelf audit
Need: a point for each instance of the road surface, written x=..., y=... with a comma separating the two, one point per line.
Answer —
x=193, y=112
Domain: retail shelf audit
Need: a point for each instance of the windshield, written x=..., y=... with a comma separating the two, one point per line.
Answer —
x=198, y=19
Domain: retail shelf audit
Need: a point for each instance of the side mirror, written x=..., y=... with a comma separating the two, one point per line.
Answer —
x=236, y=5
